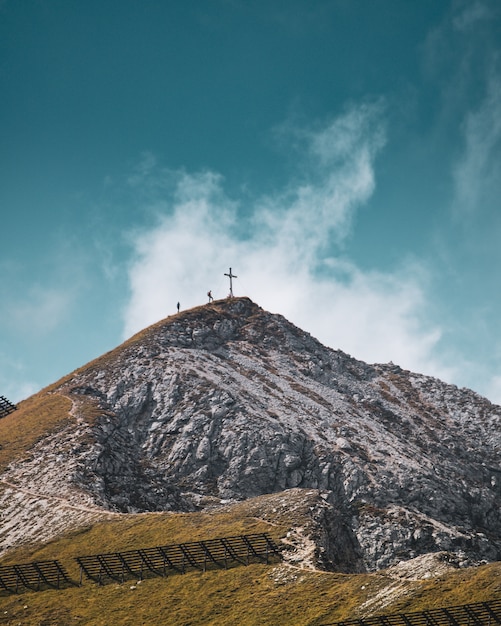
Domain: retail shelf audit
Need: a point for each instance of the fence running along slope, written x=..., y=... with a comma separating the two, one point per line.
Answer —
x=178, y=558
x=211, y=554
x=142, y=563
x=6, y=407
x=35, y=576
x=477, y=614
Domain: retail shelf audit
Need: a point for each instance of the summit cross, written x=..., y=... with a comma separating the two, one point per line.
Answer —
x=231, y=276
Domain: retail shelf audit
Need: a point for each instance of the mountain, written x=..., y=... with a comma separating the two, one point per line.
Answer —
x=227, y=402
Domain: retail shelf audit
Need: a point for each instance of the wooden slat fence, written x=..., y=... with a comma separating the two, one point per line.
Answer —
x=178, y=558
x=36, y=576
x=478, y=614
x=6, y=407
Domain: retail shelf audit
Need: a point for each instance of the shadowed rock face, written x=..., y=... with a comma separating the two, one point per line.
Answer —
x=227, y=401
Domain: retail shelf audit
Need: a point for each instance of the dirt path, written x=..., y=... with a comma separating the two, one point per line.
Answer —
x=59, y=499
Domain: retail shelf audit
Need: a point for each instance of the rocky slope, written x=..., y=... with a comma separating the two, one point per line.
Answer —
x=226, y=402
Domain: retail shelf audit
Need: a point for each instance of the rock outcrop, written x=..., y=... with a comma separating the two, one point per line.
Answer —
x=227, y=402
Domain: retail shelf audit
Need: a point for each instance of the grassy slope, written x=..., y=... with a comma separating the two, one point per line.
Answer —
x=257, y=594
x=35, y=417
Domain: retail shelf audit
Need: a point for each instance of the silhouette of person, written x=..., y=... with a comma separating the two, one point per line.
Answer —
x=211, y=299
x=178, y=307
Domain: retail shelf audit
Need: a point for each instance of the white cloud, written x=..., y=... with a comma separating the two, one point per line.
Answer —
x=177, y=259
x=462, y=55
x=13, y=383
x=478, y=168
x=290, y=262
x=472, y=13
x=339, y=177
x=493, y=391
x=40, y=311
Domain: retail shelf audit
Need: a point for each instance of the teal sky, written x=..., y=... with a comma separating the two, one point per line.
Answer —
x=342, y=156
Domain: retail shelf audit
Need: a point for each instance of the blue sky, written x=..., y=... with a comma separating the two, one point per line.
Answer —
x=342, y=156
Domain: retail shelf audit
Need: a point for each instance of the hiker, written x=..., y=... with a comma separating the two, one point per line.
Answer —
x=178, y=307
x=211, y=299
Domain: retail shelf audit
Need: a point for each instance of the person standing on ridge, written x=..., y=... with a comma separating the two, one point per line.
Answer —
x=209, y=294
x=178, y=307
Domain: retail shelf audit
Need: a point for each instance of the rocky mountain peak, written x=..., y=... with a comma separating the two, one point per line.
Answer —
x=227, y=402
x=218, y=324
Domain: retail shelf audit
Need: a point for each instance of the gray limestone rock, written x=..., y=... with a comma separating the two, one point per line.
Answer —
x=228, y=401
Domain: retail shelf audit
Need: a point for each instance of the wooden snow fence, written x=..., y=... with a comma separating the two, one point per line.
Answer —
x=6, y=407
x=34, y=576
x=178, y=558
x=478, y=614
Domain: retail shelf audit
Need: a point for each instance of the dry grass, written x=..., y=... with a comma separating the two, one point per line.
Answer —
x=244, y=596
x=210, y=311
x=128, y=532
x=474, y=584
x=36, y=417
x=248, y=596
x=254, y=595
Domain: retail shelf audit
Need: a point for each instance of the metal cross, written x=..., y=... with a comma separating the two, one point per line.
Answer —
x=230, y=276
